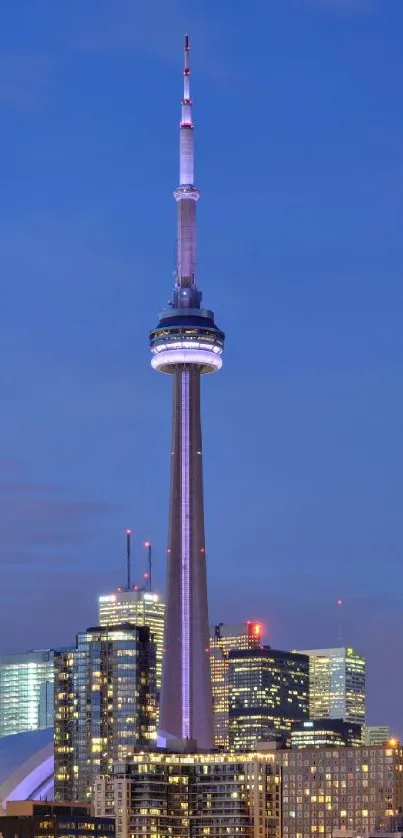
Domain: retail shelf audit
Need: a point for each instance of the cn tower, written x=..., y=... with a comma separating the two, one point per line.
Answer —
x=186, y=345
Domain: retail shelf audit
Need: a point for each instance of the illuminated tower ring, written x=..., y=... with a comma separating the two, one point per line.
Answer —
x=186, y=344
x=187, y=338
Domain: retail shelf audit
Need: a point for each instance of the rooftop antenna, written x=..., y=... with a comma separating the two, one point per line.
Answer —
x=147, y=544
x=128, y=539
x=339, y=607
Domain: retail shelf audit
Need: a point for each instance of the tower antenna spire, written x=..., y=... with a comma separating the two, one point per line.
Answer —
x=128, y=558
x=148, y=547
x=186, y=82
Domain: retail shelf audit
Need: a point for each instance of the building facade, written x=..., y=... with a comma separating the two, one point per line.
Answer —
x=223, y=638
x=268, y=691
x=142, y=608
x=337, y=684
x=321, y=733
x=375, y=734
x=65, y=725
x=186, y=344
x=26, y=691
x=32, y=819
x=193, y=796
x=105, y=705
x=340, y=791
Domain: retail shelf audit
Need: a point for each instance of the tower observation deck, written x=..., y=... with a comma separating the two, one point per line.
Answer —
x=186, y=344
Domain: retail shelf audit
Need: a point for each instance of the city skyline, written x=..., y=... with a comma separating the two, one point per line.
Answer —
x=312, y=514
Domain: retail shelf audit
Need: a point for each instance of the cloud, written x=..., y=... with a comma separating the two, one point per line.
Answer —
x=40, y=526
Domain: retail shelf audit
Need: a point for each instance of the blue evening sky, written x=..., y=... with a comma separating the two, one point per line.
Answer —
x=299, y=136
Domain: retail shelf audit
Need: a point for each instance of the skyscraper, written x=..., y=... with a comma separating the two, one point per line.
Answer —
x=142, y=608
x=223, y=638
x=26, y=691
x=336, y=684
x=268, y=691
x=105, y=705
x=186, y=344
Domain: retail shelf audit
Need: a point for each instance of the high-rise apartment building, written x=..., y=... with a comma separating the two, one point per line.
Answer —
x=186, y=344
x=105, y=705
x=142, y=608
x=340, y=791
x=26, y=691
x=268, y=691
x=329, y=733
x=336, y=684
x=65, y=725
x=193, y=796
x=223, y=638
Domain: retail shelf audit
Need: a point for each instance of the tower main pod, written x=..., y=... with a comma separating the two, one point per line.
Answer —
x=186, y=344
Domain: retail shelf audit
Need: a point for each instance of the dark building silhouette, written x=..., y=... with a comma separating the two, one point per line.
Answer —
x=322, y=733
x=268, y=691
x=32, y=819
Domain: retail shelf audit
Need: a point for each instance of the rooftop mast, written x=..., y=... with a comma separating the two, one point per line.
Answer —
x=186, y=196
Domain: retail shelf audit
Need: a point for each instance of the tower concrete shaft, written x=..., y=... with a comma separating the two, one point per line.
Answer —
x=186, y=697
x=186, y=344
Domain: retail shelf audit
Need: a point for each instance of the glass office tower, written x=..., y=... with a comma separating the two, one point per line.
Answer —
x=337, y=684
x=26, y=691
x=268, y=691
x=223, y=638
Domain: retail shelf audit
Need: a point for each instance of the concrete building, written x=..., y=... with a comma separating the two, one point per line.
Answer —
x=355, y=790
x=193, y=796
x=142, y=608
x=26, y=691
x=337, y=684
x=321, y=733
x=33, y=819
x=105, y=705
x=375, y=735
x=223, y=638
x=186, y=344
x=268, y=692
